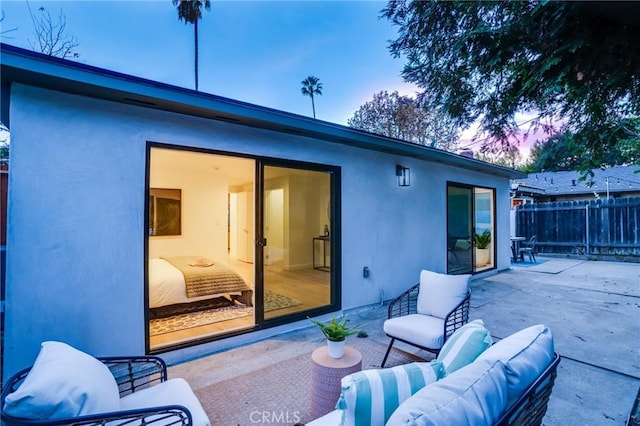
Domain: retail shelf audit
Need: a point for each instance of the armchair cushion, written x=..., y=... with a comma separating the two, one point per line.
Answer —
x=419, y=329
x=440, y=293
x=172, y=392
x=369, y=397
x=464, y=346
x=525, y=355
x=475, y=395
x=64, y=382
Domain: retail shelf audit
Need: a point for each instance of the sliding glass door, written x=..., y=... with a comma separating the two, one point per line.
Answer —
x=470, y=229
x=235, y=244
x=297, y=240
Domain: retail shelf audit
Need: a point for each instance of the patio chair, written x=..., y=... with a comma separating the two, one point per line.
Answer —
x=529, y=249
x=429, y=312
x=66, y=386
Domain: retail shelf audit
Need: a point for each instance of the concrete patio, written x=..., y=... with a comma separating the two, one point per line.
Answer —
x=592, y=308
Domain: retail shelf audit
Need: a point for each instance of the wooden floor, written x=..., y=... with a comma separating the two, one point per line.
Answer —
x=309, y=286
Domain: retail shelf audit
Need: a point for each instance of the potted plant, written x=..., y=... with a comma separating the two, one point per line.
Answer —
x=336, y=331
x=482, y=242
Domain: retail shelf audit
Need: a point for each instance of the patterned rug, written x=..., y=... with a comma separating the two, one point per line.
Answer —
x=281, y=391
x=272, y=301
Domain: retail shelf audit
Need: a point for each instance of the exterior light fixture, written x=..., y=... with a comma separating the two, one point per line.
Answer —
x=404, y=175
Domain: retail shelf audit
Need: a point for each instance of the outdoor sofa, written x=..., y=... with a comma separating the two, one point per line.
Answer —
x=472, y=381
x=67, y=386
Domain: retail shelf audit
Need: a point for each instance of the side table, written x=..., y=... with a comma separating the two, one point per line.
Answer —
x=326, y=373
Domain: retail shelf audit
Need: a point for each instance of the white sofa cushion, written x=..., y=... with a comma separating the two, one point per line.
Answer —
x=464, y=346
x=525, y=355
x=369, y=397
x=64, y=382
x=440, y=293
x=474, y=395
x=419, y=329
x=171, y=392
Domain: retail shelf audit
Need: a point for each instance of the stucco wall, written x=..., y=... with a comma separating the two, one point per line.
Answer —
x=76, y=217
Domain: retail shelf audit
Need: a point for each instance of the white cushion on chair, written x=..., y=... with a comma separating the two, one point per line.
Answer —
x=423, y=330
x=171, y=392
x=440, y=293
x=64, y=382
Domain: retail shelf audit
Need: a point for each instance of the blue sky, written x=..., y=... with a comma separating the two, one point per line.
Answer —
x=254, y=51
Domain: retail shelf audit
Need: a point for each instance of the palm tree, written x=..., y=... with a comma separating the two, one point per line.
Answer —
x=190, y=11
x=312, y=86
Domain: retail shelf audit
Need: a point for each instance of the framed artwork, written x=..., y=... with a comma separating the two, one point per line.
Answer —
x=165, y=211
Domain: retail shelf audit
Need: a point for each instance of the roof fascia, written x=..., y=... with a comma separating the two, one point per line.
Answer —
x=32, y=68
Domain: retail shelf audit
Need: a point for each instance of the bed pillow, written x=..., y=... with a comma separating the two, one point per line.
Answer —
x=464, y=346
x=525, y=355
x=440, y=293
x=369, y=397
x=64, y=382
x=474, y=395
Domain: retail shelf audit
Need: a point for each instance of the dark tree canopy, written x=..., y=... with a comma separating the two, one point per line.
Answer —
x=576, y=63
x=401, y=117
x=561, y=153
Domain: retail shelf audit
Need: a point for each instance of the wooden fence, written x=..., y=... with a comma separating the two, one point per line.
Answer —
x=596, y=227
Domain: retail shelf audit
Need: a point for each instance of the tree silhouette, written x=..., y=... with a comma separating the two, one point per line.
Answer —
x=311, y=86
x=190, y=11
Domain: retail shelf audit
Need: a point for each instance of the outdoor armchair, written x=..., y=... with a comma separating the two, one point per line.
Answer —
x=429, y=312
x=73, y=390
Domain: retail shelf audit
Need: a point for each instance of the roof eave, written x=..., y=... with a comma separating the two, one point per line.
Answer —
x=31, y=68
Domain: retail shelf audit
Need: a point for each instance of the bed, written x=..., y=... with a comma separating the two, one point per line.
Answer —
x=177, y=286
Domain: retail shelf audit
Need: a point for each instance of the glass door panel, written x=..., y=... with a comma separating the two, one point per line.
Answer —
x=484, y=228
x=297, y=240
x=459, y=230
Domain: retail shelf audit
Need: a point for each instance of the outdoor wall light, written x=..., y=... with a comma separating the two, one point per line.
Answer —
x=404, y=175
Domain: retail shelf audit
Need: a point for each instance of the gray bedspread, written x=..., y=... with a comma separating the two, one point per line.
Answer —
x=207, y=280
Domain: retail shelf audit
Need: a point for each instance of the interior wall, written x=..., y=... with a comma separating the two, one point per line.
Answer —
x=204, y=212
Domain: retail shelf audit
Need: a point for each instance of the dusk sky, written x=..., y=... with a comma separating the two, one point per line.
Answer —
x=254, y=51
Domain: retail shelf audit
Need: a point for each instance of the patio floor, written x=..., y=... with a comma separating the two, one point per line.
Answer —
x=592, y=308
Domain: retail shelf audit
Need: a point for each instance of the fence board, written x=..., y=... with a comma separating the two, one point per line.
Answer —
x=596, y=227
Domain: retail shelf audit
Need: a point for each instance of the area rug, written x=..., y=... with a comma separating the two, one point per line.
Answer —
x=280, y=394
x=272, y=301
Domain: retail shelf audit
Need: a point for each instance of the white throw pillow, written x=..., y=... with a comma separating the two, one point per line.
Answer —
x=440, y=293
x=525, y=355
x=464, y=346
x=64, y=382
x=474, y=395
x=172, y=392
x=369, y=397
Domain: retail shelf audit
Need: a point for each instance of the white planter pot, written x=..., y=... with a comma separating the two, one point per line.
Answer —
x=336, y=349
x=482, y=257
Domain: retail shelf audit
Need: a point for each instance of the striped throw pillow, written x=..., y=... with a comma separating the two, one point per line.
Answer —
x=369, y=397
x=464, y=346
